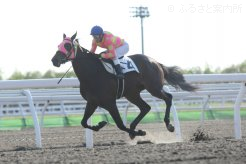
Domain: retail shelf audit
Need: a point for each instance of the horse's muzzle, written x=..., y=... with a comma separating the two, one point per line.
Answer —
x=55, y=62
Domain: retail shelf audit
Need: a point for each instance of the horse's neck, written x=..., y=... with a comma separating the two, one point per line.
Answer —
x=85, y=54
x=86, y=65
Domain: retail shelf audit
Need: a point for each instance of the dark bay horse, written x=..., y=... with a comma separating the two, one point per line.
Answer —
x=99, y=88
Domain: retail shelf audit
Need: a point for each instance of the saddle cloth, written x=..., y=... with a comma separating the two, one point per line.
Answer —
x=126, y=64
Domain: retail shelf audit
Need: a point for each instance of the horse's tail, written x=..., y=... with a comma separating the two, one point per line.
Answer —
x=174, y=77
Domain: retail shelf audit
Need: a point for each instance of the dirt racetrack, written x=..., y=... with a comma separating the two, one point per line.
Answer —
x=67, y=145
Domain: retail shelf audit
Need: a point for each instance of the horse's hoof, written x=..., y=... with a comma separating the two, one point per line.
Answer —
x=170, y=128
x=141, y=133
x=99, y=126
x=132, y=136
x=102, y=124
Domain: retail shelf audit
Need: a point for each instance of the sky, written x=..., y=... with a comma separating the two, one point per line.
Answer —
x=184, y=33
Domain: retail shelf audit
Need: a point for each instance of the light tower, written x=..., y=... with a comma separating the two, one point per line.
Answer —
x=141, y=12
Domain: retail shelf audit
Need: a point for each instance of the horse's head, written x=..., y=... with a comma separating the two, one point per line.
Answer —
x=66, y=50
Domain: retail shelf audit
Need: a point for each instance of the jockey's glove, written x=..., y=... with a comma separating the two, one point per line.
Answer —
x=99, y=56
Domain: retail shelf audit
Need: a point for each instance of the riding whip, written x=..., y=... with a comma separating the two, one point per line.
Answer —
x=64, y=75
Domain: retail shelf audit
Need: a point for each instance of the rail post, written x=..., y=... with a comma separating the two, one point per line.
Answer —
x=237, y=118
x=89, y=135
x=38, y=141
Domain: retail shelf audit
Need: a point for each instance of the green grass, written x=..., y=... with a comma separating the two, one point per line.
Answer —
x=13, y=123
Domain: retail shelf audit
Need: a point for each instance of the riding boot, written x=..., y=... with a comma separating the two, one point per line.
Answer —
x=119, y=72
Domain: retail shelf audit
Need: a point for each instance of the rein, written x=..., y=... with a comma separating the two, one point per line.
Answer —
x=75, y=45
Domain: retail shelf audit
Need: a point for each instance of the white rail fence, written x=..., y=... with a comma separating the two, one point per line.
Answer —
x=213, y=87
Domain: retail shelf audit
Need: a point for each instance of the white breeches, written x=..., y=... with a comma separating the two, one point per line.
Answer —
x=120, y=52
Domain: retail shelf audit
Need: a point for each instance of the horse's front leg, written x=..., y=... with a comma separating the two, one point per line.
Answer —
x=89, y=110
x=113, y=110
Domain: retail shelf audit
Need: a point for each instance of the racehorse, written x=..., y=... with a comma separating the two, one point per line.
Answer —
x=99, y=88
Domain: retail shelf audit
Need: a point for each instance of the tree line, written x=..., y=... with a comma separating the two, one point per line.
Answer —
x=17, y=75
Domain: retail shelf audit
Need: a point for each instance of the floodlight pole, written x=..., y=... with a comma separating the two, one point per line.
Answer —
x=142, y=35
x=141, y=12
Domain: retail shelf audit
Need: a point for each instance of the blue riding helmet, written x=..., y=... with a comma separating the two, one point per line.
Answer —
x=96, y=30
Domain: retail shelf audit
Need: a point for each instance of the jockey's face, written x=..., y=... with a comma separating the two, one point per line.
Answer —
x=98, y=38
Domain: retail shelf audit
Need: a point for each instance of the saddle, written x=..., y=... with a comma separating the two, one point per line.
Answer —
x=126, y=64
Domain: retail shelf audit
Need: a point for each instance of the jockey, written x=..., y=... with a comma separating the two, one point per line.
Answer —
x=116, y=47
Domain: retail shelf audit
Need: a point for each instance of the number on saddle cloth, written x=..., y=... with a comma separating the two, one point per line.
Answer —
x=126, y=63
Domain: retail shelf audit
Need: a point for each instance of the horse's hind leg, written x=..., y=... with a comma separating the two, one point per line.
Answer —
x=142, y=105
x=167, y=97
x=89, y=110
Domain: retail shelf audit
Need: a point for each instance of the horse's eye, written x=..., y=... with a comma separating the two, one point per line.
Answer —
x=68, y=46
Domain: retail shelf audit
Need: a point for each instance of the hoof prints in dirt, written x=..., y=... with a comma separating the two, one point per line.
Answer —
x=120, y=142
x=22, y=148
x=145, y=142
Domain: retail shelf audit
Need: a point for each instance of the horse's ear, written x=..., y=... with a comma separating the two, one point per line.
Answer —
x=74, y=36
x=64, y=36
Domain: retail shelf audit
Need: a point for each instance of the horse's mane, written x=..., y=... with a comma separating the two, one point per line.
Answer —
x=85, y=52
x=94, y=56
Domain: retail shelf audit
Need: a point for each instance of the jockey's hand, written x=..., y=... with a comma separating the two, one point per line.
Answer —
x=99, y=56
x=102, y=55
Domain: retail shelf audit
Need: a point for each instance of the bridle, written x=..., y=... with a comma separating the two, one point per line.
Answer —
x=74, y=47
x=69, y=53
x=73, y=51
x=69, y=49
